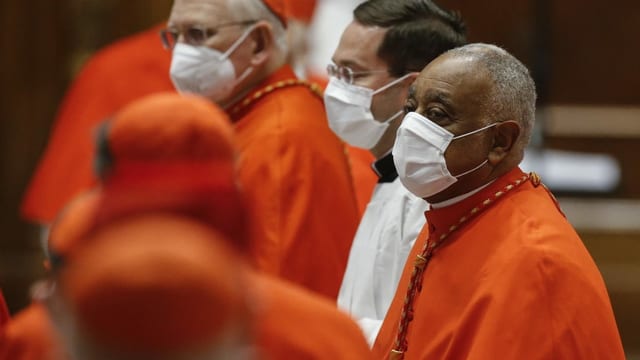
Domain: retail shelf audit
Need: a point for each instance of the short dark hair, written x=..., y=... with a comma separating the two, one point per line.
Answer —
x=418, y=31
x=103, y=157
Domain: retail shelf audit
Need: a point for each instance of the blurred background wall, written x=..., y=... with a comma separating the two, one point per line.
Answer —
x=43, y=45
x=584, y=56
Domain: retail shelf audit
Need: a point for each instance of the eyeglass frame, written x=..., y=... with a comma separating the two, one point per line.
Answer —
x=207, y=33
x=346, y=74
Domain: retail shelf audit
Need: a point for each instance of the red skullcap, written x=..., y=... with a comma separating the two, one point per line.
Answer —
x=301, y=9
x=154, y=283
x=278, y=8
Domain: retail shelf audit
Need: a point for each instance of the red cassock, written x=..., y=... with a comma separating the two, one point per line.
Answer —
x=513, y=282
x=298, y=182
x=283, y=331
x=30, y=336
x=113, y=77
x=281, y=328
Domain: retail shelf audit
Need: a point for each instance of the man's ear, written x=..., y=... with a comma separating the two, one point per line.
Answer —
x=263, y=43
x=410, y=78
x=406, y=83
x=505, y=138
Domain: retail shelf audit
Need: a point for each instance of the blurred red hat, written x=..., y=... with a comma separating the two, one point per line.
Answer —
x=154, y=283
x=75, y=221
x=172, y=152
x=164, y=152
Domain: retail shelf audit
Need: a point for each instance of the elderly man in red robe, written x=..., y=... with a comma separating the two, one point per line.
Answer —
x=292, y=167
x=498, y=272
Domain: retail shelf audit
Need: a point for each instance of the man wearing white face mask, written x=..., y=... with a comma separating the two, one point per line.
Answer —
x=498, y=273
x=378, y=57
x=292, y=167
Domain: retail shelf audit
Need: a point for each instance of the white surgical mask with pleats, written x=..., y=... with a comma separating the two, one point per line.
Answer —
x=204, y=71
x=418, y=154
x=349, y=112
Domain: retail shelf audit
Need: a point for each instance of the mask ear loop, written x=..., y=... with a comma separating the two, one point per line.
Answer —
x=233, y=47
x=385, y=87
x=472, y=170
x=393, y=117
x=237, y=43
x=471, y=133
x=474, y=131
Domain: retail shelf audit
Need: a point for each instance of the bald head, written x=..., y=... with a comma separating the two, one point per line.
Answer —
x=511, y=94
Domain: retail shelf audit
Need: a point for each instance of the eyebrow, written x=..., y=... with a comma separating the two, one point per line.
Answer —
x=353, y=65
x=438, y=96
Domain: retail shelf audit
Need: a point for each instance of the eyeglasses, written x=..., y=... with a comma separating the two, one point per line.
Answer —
x=194, y=35
x=346, y=74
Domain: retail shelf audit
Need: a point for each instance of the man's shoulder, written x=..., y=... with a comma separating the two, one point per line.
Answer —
x=292, y=316
x=292, y=116
x=528, y=233
x=297, y=301
x=292, y=102
x=530, y=216
x=541, y=254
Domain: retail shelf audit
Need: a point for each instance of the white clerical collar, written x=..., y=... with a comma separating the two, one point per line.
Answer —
x=459, y=198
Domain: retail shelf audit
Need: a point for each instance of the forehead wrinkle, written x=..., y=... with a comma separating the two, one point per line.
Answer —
x=429, y=89
x=351, y=64
x=435, y=95
x=348, y=59
x=197, y=12
x=352, y=51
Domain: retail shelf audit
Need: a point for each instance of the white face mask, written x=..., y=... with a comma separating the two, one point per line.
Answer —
x=418, y=154
x=204, y=71
x=349, y=112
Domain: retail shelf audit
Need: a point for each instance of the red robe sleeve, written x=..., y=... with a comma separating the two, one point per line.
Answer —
x=30, y=336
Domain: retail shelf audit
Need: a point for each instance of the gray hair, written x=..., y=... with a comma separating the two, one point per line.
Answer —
x=242, y=10
x=513, y=94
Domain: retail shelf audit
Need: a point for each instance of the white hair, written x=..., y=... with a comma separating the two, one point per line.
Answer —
x=513, y=94
x=242, y=10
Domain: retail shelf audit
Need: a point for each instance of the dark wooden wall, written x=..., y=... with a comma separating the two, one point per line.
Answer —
x=43, y=43
x=34, y=57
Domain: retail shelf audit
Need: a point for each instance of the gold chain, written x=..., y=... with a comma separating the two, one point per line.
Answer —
x=422, y=260
x=315, y=89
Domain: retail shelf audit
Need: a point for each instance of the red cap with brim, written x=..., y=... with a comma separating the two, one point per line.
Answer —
x=168, y=153
x=154, y=283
